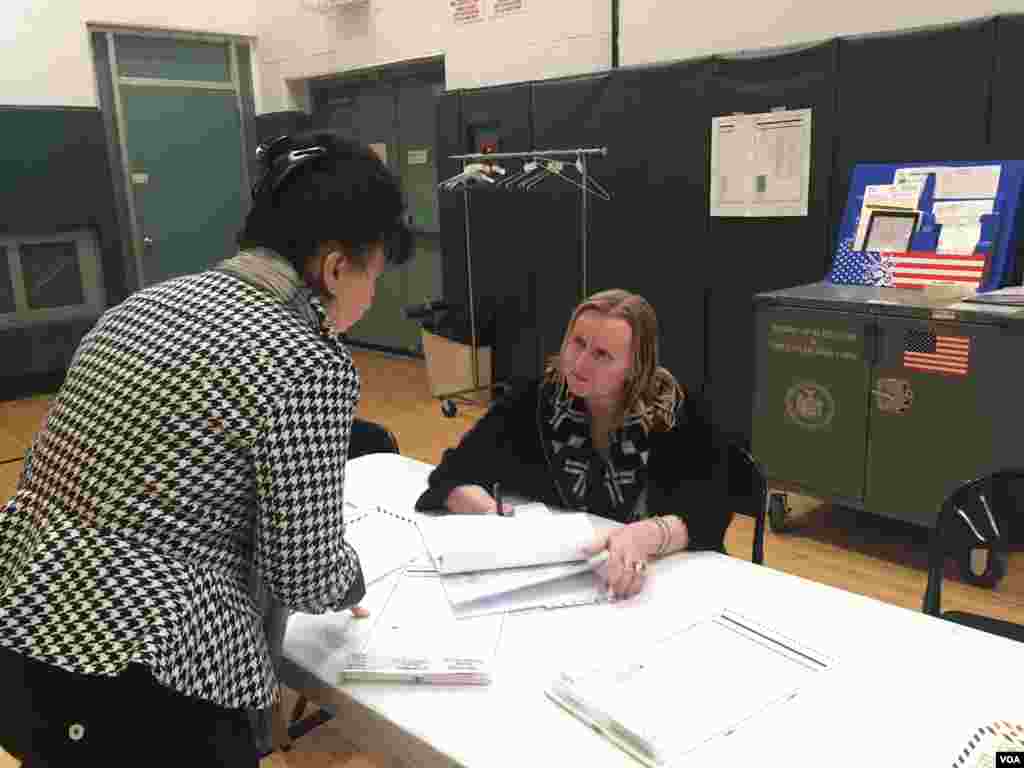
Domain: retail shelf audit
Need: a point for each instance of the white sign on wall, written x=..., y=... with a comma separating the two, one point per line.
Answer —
x=761, y=164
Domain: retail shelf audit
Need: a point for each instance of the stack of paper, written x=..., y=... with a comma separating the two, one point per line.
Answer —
x=470, y=543
x=490, y=564
x=415, y=638
x=625, y=700
x=1012, y=296
x=417, y=669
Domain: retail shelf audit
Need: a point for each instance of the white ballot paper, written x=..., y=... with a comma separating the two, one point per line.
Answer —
x=468, y=543
x=625, y=700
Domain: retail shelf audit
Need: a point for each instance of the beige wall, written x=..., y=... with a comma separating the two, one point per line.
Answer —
x=45, y=57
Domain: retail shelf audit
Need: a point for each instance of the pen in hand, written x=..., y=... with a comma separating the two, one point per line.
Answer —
x=497, y=498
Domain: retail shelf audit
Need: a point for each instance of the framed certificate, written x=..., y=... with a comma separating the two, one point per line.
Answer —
x=890, y=231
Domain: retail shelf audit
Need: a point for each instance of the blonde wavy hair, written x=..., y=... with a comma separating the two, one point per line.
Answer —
x=651, y=392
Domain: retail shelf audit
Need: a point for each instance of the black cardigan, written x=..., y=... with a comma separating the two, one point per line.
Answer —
x=686, y=471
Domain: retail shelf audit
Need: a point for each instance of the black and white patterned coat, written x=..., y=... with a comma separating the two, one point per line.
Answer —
x=202, y=430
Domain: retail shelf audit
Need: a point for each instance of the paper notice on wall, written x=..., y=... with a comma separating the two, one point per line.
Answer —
x=418, y=156
x=466, y=11
x=731, y=180
x=502, y=8
x=760, y=164
x=779, y=154
x=971, y=181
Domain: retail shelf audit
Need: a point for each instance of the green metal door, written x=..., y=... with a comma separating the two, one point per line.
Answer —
x=928, y=428
x=185, y=161
x=182, y=142
x=810, y=403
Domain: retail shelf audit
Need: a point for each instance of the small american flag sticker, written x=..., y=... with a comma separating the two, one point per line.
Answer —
x=927, y=351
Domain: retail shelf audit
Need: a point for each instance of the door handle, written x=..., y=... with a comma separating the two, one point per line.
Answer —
x=147, y=240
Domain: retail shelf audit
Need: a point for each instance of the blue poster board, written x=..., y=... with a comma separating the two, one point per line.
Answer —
x=901, y=244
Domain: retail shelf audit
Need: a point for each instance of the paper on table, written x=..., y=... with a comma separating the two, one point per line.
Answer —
x=418, y=621
x=1015, y=292
x=625, y=701
x=969, y=305
x=971, y=181
x=464, y=588
x=416, y=629
x=465, y=543
x=584, y=588
x=384, y=541
x=533, y=508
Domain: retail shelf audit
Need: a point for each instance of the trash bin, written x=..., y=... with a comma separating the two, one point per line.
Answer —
x=447, y=335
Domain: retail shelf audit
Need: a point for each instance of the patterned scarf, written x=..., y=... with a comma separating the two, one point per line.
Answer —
x=264, y=269
x=607, y=487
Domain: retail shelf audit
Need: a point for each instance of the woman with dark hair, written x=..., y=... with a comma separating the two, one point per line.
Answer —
x=607, y=431
x=200, y=436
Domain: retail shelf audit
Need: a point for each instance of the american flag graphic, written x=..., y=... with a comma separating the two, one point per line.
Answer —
x=915, y=269
x=926, y=351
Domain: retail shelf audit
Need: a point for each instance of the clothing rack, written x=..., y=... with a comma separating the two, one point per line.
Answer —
x=581, y=155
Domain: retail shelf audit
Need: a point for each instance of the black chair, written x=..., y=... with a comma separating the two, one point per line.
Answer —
x=369, y=437
x=365, y=437
x=748, y=492
x=972, y=526
x=746, y=482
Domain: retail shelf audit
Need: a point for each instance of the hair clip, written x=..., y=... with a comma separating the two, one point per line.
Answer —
x=266, y=146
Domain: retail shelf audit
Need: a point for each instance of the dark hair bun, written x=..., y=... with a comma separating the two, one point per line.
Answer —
x=318, y=186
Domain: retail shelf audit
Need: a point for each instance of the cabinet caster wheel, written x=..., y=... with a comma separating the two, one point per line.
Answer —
x=777, y=511
x=449, y=409
x=982, y=566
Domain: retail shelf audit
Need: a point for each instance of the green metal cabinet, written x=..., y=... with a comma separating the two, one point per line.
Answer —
x=848, y=408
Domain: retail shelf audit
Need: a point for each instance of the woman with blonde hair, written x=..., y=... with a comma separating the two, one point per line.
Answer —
x=607, y=431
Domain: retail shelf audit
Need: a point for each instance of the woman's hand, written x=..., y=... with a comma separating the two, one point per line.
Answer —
x=474, y=500
x=629, y=549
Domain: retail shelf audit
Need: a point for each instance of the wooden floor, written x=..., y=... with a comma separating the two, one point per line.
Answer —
x=856, y=552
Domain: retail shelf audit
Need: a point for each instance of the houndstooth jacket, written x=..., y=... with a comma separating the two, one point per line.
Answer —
x=202, y=429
